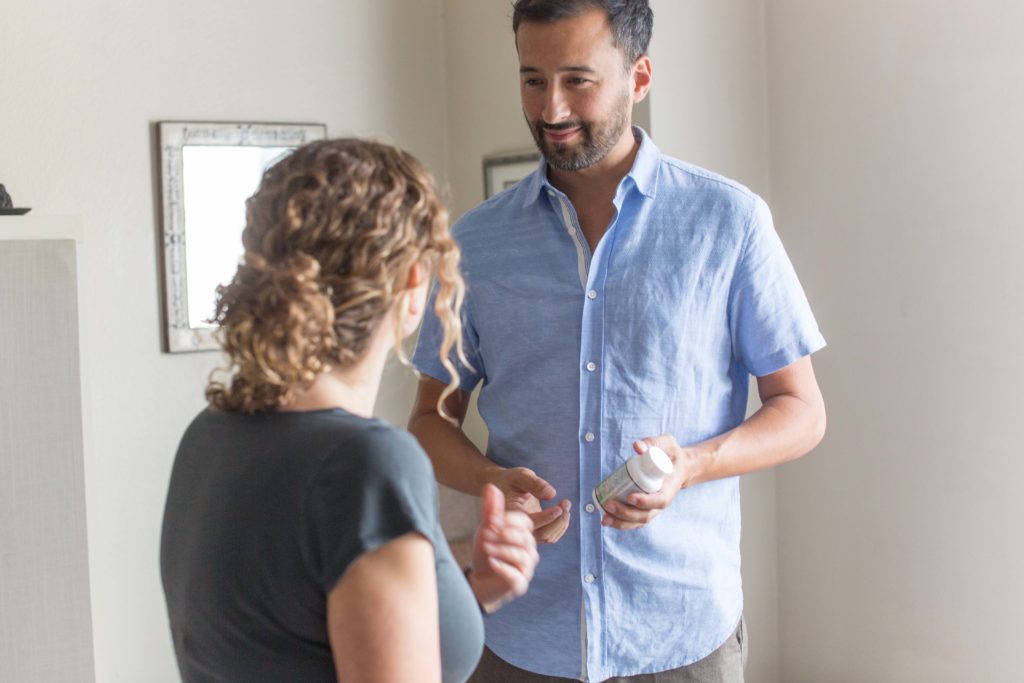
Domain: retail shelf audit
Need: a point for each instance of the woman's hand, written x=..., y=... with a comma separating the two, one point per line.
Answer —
x=504, y=552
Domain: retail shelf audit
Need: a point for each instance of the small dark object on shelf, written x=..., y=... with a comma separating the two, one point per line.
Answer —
x=7, y=205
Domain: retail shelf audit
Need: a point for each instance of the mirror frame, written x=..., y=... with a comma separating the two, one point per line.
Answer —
x=172, y=137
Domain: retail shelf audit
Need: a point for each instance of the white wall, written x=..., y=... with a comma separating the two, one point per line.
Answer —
x=709, y=107
x=82, y=82
x=709, y=100
x=897, y=164
x=484, y=113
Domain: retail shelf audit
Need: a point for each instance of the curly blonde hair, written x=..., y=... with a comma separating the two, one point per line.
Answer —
x=330, y=238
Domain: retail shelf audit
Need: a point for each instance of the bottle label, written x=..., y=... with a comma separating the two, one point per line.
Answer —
x=617, y=486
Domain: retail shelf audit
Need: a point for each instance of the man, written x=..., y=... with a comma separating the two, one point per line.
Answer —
x=618, y=298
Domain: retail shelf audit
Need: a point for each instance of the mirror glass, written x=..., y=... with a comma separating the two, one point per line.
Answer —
x=208, y=170
x=217, y=181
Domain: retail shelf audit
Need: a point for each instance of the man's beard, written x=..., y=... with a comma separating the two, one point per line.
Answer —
x=597, y=139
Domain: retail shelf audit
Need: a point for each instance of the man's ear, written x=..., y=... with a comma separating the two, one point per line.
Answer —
x=641, y=78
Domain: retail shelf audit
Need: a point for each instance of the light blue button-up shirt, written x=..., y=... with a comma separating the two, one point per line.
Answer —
x=657, y=331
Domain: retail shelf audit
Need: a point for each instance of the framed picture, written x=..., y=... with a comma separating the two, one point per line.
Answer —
x=207, y=171
x=502, y=171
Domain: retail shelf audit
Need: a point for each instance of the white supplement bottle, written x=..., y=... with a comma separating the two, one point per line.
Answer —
x=640, y=474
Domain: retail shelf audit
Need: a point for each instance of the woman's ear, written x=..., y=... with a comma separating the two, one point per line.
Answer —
x=417, y=275
x=416, y=289
x=413, y=301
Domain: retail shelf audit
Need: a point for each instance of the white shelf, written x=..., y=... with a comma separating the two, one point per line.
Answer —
x=41, y=226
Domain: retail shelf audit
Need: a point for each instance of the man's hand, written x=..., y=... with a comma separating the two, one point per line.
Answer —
x=461, y=466
x=789, y=423
x=523, y=491
x=504, y=553
x=641, y=508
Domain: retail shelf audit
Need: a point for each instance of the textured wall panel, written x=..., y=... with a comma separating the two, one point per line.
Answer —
x=45, y=625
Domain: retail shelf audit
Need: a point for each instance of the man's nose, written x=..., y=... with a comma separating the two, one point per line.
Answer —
x=556, y=109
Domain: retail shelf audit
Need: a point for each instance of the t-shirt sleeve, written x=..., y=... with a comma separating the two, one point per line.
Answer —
x=770, y=319
x=427, y=358
x=377, y=486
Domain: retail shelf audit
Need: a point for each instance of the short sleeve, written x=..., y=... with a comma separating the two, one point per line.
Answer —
x=771, y=322
x=377, y=486
x=427, y=358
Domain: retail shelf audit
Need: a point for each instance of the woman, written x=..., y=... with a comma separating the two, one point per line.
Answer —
x=301, y=539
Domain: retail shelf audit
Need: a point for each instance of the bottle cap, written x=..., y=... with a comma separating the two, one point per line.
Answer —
x=655, y=463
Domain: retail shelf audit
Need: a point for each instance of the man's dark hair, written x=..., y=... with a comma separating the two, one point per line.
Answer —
x=631, y=20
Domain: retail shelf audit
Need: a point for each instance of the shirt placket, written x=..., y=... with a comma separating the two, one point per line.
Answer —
x=592, y=439
x=591, y=434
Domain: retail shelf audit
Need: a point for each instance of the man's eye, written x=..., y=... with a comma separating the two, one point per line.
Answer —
x=578, y=81
x=531, y=82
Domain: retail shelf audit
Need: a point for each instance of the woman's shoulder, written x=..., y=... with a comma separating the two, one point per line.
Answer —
x=373, y=484
x=321, y=440
x=372, y=449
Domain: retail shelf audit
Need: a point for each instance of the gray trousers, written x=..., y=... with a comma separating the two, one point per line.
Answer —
x=724, y=665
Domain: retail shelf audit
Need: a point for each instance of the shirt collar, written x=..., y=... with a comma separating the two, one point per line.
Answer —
x=536, y=183
x=644, y=173
x=646, y=165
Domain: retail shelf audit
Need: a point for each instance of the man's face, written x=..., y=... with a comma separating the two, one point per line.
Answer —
x=577, y=93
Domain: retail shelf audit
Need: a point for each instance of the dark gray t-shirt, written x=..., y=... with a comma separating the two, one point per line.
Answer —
x=265, y=513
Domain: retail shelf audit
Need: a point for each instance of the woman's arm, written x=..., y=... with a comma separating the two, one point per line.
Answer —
x=382, y=617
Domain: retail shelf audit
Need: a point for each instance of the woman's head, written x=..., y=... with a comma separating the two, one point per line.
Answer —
x=332, y=234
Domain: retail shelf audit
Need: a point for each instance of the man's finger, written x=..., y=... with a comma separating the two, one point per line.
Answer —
x=619, y=524
x=649, y=501
x=619, y=521
x=526, y=480
x=545, y=517
x=554, y=532
x=628, y=513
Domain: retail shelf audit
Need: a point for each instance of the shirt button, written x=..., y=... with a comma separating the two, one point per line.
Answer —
x=591, y=366
x=589, y=436
x=592, y=294
x=590, y=578
x=589, y=507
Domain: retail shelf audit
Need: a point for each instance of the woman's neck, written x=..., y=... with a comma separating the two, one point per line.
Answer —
x=353, y=389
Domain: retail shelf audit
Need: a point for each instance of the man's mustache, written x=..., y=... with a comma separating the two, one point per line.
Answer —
x=565, y=125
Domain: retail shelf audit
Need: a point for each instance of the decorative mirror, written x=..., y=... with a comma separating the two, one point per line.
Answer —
x=207, y=171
